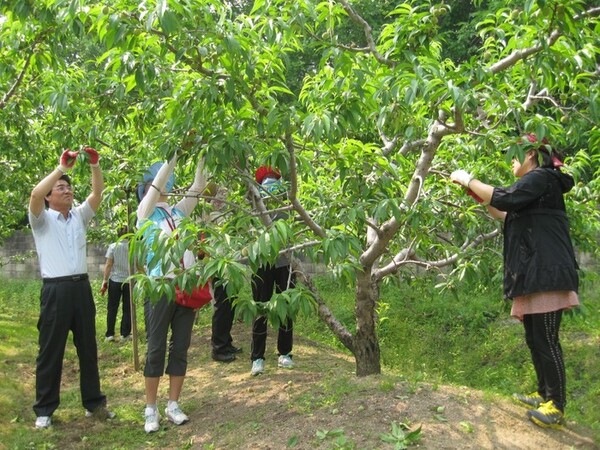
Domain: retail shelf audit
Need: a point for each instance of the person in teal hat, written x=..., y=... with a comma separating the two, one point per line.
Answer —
x=165, y=314
x=149, y=177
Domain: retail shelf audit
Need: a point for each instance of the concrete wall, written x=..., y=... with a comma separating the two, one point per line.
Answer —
x=18, y=258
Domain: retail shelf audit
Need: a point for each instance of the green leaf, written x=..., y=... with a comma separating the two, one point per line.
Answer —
x=169, y=22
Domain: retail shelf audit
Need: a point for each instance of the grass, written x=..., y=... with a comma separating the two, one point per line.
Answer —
x=467, y=338
x=459, y=338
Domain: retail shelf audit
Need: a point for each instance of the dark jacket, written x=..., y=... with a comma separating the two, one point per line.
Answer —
x=538, y=254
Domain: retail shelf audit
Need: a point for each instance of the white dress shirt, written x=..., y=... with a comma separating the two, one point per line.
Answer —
x=61, y=243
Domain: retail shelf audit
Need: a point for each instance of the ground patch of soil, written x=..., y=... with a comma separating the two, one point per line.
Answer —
x=321, y=404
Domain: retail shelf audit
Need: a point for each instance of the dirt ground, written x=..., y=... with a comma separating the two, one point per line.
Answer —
x=320, y=404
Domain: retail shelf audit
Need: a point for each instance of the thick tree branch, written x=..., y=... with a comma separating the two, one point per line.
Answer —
x=453, y=258
x=437, y=131
x=458, y=126
x=13, y=89
x=368, y=31
x=258, y=203
x=373, y=227
x=325, y=314
x=523, y=53
x=293, y=194
x=395, y=264
x=528, y=103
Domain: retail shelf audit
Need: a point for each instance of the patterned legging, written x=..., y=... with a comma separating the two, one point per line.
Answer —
x=542, y=337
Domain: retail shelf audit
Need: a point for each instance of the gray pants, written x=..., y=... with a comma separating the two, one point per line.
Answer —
x=159, y=317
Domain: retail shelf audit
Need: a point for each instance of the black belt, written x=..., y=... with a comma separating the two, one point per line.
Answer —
x=77, y=277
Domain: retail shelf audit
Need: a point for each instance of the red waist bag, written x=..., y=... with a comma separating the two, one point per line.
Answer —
x=199, y=297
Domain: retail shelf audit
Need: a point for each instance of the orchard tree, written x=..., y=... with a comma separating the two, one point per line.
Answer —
x=365, y=120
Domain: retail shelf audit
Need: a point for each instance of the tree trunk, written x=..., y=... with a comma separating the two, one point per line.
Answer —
x=366, y=345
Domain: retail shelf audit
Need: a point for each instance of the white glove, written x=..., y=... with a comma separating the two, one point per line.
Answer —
x=461, y=177
x=200, y=177
x=202, y=184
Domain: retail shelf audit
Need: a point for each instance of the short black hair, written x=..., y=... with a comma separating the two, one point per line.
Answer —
x=64, y=177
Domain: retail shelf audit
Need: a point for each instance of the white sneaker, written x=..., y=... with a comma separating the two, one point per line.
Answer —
x=152, y=420
x=285, y=361
x=176, y=415
x=109, y=338
x=258, y=366
x=42, y=422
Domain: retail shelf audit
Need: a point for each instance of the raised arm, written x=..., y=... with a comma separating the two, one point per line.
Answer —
x=95, y=197
x=156, y=190
x=200, y=186
x=483, y=192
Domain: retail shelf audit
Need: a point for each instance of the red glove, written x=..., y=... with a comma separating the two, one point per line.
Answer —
x=103, y=288
x=92, y=154
x=67, y=160
x=477, y=198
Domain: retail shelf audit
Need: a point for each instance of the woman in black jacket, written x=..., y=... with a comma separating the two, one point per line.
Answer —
x=540, y=270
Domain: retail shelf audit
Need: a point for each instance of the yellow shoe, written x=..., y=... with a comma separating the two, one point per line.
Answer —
x=547, y=415
x=532, y=400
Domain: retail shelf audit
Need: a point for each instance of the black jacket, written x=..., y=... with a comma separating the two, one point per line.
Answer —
x=538, y=254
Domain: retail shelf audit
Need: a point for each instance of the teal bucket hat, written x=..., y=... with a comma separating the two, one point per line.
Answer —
x=149, y=176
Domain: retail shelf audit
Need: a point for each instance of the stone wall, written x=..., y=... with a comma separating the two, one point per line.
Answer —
x=18, y=258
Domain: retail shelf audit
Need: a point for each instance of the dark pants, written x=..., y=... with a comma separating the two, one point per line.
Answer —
x=117, y=292
x=262, y=290
x=541, y=335
x=66, y=306
x=159, y=317
x=222, y=320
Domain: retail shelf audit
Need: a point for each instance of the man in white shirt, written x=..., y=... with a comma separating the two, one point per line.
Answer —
x=66, y=303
